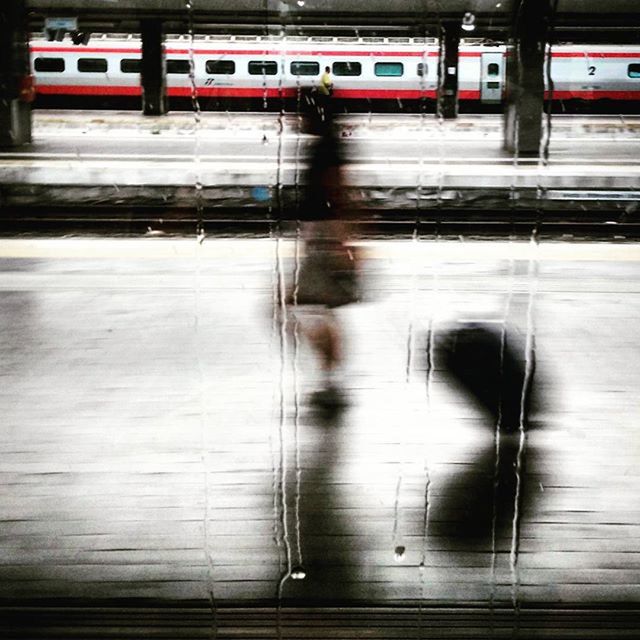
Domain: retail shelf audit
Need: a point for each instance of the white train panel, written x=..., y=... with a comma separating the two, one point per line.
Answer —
x=360, y=70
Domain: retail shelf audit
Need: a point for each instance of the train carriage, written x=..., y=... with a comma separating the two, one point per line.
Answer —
x=363, y=69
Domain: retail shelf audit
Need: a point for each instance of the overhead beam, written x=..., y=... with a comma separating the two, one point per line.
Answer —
x=615, y=20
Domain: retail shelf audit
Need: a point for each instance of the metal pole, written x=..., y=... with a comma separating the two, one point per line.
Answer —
x=525, y=77
x=16, y=82
x=448, y=70
x=153, y=69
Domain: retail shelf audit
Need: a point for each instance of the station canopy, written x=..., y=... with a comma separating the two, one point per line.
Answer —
x=578, y=20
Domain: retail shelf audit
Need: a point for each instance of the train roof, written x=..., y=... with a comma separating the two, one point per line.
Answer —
x=248, y=39
x=127, y=39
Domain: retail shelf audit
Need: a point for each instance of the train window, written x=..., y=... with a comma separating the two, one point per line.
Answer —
x=305, y=68
x=263, y=67
x=389, y=69
x=130, y=65
x=178, y=66
x=92, y=65
x=221, y=67
x=51, y=65
x=633, y=70
x=493, y=69
x=347, y=69
x=423, y=69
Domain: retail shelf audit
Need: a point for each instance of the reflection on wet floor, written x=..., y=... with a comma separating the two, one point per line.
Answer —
x=145, y=393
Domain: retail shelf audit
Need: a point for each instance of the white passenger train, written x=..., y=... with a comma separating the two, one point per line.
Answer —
x=369, y=68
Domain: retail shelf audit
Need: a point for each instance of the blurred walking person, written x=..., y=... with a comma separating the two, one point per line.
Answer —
x=328, y=276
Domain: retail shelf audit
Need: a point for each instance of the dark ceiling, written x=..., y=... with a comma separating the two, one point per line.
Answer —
x=576, y=20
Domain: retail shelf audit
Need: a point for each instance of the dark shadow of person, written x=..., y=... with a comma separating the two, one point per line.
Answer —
x=492, y=367
x=328, y=572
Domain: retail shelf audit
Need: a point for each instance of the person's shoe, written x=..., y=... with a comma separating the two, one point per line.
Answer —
x=329, y=399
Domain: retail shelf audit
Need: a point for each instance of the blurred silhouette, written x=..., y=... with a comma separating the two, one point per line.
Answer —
x=490, y=364
x=328, y=275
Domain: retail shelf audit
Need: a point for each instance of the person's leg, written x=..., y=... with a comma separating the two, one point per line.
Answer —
x=325, y=338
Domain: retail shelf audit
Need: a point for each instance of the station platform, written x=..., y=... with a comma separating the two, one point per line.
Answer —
x=164, y=473
x=256, y=162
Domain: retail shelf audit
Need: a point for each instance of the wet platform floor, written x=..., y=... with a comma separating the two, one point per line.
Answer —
x=159, y=445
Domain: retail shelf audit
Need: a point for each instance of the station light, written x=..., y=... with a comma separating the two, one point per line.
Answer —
x=468, y=21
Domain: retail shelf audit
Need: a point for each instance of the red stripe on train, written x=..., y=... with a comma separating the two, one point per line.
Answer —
x=246, y=92
x=595, y=54
x=294, y=52
x=593, y=95
x=253, y=52
x=292, y=92
x=81, y=50
x=65, y=89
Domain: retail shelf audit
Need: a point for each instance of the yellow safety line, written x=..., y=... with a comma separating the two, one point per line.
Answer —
x=262, y=249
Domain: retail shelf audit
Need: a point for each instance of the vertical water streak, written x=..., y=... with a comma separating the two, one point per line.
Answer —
x=421, y=127
x=296, y=395
x=425, y=526
x=526, y=385
x=430, y=332
x=430, y=369
x=296, y=334
x=204, y=458
x=282, y=484
x=202, y=397
x=274, y=452
x=265, y=103
x=397, y=535
x=412, y=305
x=416, y=233
x=497, y=438
x=197, y=117
x=298, y=146
x=545, y=143
x=409, y=359
x=283, y=336
x=441, y=125
x=397, y=515
x=429, y=363
x=281, y=121
x=515, y=50
x=278, y=329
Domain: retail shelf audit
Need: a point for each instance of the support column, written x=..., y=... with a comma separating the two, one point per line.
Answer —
x=448, y=70
x=16, y=82
x=525, y=77
x=153, y=69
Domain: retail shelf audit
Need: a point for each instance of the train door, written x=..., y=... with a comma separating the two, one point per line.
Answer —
x=491, y=78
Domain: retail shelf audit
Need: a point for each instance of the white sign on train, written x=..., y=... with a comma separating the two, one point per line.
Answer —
x=69, y=24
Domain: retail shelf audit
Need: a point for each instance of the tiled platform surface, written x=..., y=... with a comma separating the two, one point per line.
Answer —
x=158, y=446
